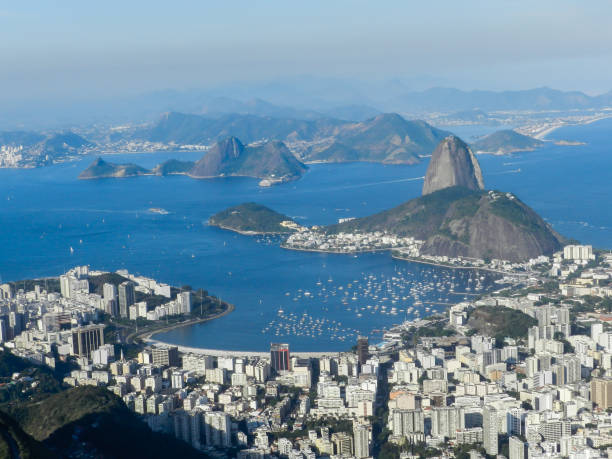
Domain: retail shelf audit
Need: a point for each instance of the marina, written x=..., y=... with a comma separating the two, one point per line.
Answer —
x=400, y=296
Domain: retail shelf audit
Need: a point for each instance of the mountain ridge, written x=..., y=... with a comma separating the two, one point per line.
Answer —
x=386, y=137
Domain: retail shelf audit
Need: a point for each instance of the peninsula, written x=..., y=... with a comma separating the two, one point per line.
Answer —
x=505, y=142
x=455, y=217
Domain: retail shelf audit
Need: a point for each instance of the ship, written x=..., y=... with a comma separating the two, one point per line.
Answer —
x=158, y=210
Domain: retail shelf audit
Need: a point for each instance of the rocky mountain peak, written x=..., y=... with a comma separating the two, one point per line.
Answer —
x=452, y=164
x=230, y=147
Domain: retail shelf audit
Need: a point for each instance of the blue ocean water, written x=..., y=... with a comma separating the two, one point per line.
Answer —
x=45, y=212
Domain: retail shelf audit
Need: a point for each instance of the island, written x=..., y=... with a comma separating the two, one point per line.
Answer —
x=251, y=218
x=505, y=142
x=102, y=169
x=271, y=162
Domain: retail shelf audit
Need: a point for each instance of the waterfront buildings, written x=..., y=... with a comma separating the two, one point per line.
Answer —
x=126, y=298
x=280, y=359
x=362, y=349
x=165, y=356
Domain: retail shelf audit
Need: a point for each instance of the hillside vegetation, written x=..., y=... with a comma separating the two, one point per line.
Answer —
x=500, y=322
x=457, y=221
x=98, y=421
x=251, y=217
x=16, y=444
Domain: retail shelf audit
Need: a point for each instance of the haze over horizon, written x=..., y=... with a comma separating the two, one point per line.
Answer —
x=74, y=51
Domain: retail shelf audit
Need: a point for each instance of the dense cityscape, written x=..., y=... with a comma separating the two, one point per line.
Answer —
x=463, y=382
x=306, y=230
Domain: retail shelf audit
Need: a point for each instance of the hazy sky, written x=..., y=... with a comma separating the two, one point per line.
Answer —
x=92, y=49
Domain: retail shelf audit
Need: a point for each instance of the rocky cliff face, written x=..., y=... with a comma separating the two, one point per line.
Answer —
x=221, y=156
x=270, y=160
x=452, y=164
x=501, y=227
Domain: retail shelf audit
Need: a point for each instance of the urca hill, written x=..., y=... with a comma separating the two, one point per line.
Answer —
x=455, y=216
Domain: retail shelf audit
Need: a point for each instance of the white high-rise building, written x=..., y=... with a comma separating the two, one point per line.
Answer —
x=517, y=448
x=446, y=421
x=109, y=292
x=409, y=424
x=490, y=430
x=596, y=330
x=361, y=440
x=578, y=252
x=184, y=299
x=218, y=429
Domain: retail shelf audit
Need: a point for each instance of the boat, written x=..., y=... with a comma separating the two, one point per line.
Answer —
x=158, y=210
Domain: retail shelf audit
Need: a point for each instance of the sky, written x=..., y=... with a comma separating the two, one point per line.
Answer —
x=52, y=50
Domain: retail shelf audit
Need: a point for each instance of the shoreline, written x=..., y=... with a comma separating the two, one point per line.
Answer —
x=227, y=353
x=338, y=252
x=247, y=233
x=147, y=335
x=410, y=259
x=441, y=265
x=541, y=135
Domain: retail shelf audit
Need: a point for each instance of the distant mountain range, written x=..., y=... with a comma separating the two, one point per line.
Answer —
x=505, y=142
x=349, y=100
x=300, y=97
x=450, y=99
x=385, y=138
x=187, y=129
